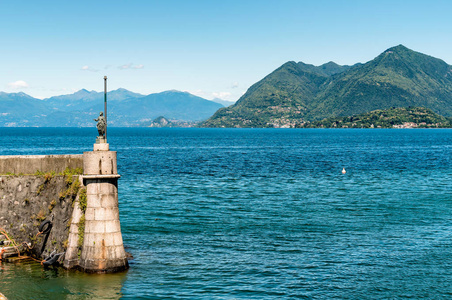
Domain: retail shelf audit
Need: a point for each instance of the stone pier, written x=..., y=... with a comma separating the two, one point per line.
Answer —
x=103, y=249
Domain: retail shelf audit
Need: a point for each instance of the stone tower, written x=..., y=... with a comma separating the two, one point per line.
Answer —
x=103, y=249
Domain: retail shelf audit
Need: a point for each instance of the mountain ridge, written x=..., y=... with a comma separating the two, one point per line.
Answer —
x=125, y=108
x=297, y=92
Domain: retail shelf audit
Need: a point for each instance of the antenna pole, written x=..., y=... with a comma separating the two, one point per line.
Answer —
x=105, y=105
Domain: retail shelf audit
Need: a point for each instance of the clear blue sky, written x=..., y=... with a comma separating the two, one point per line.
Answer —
x=209, y=48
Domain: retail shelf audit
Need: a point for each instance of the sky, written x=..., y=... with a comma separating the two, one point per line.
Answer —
x=213, y=49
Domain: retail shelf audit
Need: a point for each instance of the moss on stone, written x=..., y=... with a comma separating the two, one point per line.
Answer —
x=72, y=188
x=40, y=189
x=69, y=222
x=81, y=231
x=65, y=244
x=48, y=176
x=71, y=172
x=41, y=216
x=52, y=205
x=51, y=174
x=83, y=200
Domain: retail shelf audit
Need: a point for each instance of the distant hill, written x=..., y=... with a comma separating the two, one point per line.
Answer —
x=296, y=92
x=20, y=109
x=125, y=108
x=411, y=117
x=161, y=122
x=84, y=100
x=174, y=105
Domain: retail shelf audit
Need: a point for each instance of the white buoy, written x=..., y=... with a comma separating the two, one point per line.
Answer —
x=343, y=171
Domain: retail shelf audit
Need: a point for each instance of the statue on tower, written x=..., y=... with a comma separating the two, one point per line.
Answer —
x=101, y=124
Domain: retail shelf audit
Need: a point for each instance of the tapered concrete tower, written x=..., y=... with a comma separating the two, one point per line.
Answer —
x=103, y=249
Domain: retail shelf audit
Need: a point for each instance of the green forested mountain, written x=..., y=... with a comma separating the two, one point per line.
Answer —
x=285, y=94
x=296, y=92
x=398, y=77
x=409, y=117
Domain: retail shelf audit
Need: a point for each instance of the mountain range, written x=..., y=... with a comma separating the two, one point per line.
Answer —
x=125, y=108
x=294, y=95
x=297, y=93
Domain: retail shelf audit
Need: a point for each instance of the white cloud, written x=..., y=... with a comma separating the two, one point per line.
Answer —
x=124, y=67
x=19, y=84
x=88, y=68
x=221, y=95
x=130, y=66
x=235, y=85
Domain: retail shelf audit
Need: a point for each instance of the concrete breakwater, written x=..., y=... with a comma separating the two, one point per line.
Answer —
x=27, y=200
x=30, y=164
x=82, y=207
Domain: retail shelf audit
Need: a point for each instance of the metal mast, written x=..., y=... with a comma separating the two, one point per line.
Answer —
x=105, y=105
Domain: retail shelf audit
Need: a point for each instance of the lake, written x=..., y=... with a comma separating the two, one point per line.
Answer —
x=263, y=214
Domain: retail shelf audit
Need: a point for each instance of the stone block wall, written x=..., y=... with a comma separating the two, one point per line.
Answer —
x=27, y=201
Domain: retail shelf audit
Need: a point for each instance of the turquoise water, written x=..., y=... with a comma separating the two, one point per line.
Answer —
x=263, y=214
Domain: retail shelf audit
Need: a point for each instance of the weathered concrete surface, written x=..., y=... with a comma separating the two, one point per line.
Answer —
x=100, y=163
x=101, y=146
x=29, y=164
x=72, y=256
x=26, y=201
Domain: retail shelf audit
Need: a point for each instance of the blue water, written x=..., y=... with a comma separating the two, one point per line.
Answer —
x=263, y=214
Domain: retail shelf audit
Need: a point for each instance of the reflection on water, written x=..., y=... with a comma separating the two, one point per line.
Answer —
x=56, y=283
